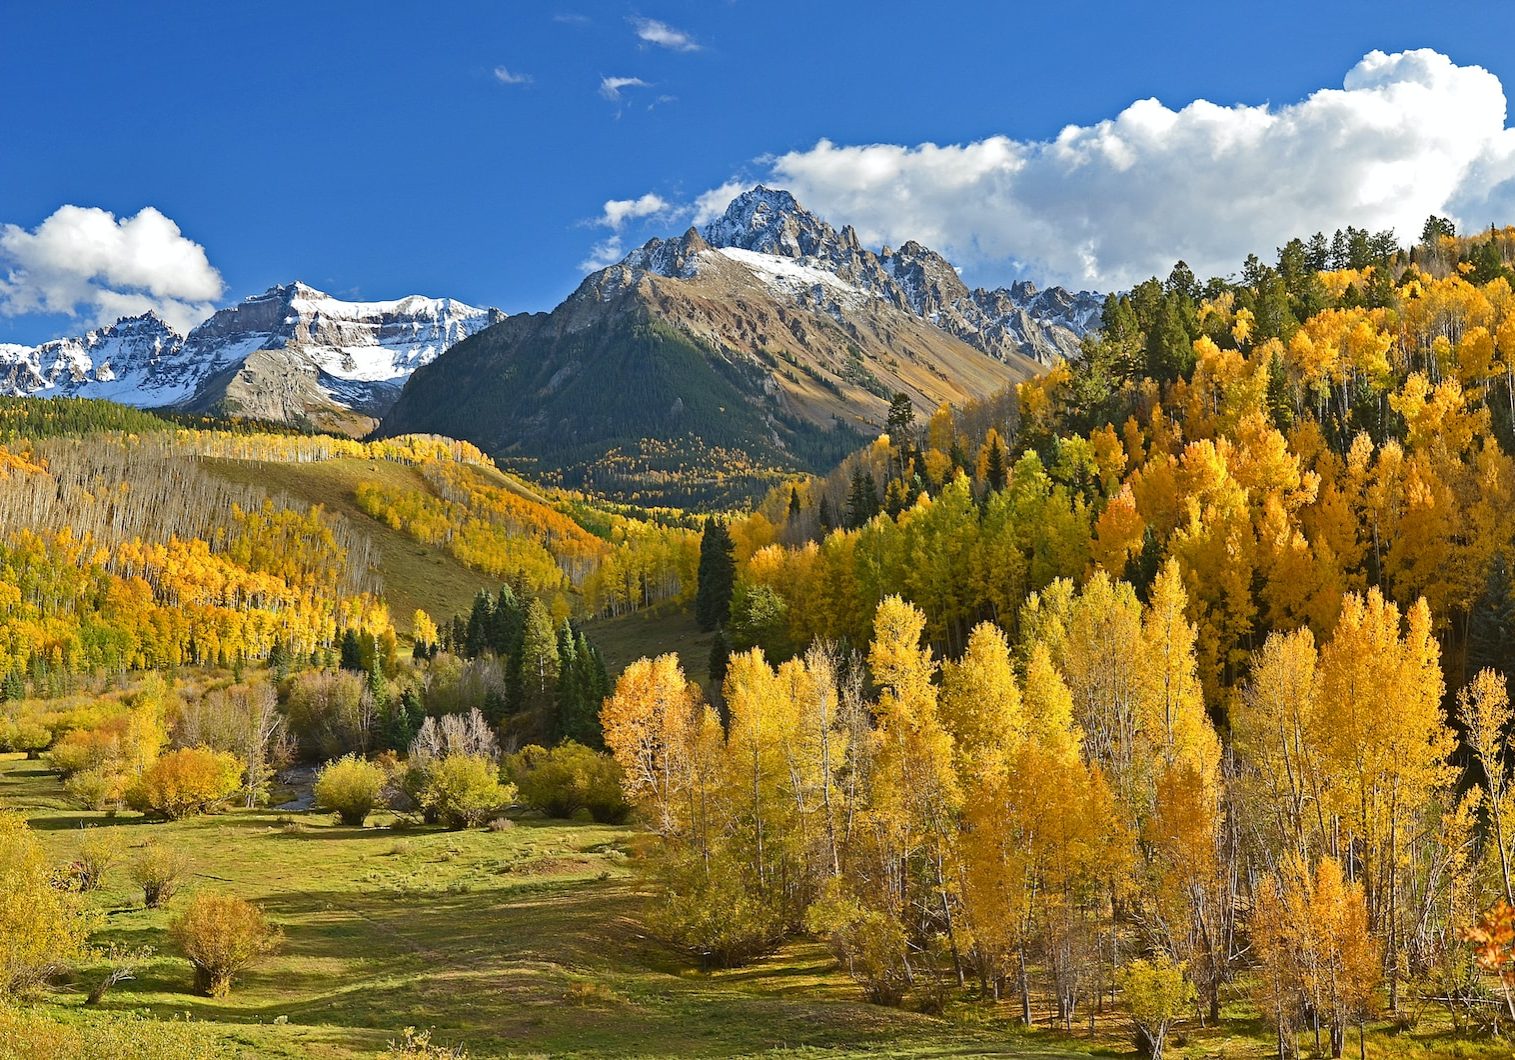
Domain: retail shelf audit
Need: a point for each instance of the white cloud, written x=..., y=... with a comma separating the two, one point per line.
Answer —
x=663, y=35
x=603, y=255
x=507, y=76
x=615, y=215
x=610, y=87
x=82, y=260
x=1106, y=205
x=617, y=212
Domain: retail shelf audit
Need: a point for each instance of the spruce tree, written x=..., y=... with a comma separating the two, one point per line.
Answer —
x=1491, y=625
x=476, y=635
x=279, y=660
x=505, y=622
x=352, y=651
x=539, y=669
x=717, y=576
x=994, y=467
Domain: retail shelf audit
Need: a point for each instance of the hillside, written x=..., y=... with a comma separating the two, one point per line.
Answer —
x=702, y=372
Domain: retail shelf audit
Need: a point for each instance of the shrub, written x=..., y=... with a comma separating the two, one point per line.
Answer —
x=1157, y=994
x=221, y=935
x=102, y=790
x=25, y=735
x=417, y=1045
x=869, y=943
x=567, y=779
x=100, y=850
x=350, y=787
x=711, y=913
x=185, y=782
x=331, y=713
x=462, y=791
x=43, y=929
x=84, y=749
x=158, y=870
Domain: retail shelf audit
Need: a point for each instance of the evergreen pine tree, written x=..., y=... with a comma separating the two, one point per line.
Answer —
x=476, y=635
x=13, y=687
x=994, y=467
x=794, y=502
x=1491, y=625
x=717, y=576
x=505, y=622
x=539, y=670
x=823, y=516
x=278, y=660
x=352, y=651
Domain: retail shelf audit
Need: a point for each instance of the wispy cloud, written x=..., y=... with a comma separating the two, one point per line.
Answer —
x=603, y=255
x=611, y=87
x=663, y=35
x=615, y=215
x=569, y=18
x=507, y=76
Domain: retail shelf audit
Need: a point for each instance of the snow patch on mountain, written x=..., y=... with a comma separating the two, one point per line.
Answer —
x=790, y=278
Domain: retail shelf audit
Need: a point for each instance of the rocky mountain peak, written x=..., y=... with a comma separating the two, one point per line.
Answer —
x=770, y=221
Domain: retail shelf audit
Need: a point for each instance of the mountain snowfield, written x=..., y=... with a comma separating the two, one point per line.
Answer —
x=290, y=353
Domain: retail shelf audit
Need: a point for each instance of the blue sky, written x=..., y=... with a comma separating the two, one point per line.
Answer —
x=373, y=150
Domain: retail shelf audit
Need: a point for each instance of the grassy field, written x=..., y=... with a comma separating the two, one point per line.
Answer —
x=653, y=632
x=520, y=942
x=415, y=575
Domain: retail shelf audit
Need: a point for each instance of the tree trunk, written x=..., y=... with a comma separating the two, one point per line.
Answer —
x=1025, y=988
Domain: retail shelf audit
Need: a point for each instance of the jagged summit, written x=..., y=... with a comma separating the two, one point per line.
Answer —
x=800, y=255
x=291, y=353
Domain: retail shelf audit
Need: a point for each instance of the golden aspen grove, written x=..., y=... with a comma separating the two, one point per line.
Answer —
x=1158, y=703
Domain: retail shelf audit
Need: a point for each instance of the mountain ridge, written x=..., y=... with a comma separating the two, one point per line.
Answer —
x=791, y=336
x=292, y=354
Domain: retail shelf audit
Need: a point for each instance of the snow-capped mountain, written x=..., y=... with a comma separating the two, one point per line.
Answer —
x=780, y=237
x=292, y=353
x=123, y=363
x=765, y=342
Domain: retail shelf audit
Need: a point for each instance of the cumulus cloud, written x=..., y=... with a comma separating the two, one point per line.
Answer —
x=1105, y=205
x=617, y=212
x=506, y=76
x=663, y=35
x=611, y=87
x=84, y=261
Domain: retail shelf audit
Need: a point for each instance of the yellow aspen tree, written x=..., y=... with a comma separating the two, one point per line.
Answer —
x=1172, y=719
x=1483, y=709
x=667, y=742
x=1276, y=732
x=1385, y=742
x=915, y=790
x=981, y=704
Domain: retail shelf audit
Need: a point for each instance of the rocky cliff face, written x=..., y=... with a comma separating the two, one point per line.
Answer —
x=1043, y=325
x=292, y=354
